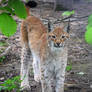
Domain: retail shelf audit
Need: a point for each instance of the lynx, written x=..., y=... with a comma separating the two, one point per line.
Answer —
x=49, y=52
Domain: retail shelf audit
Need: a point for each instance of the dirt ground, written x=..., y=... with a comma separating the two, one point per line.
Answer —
x=80, y=53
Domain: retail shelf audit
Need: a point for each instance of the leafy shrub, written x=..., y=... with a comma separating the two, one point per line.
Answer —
x=11, y=84
x=8, y=25
x=68, y=13
x=3, y=43
x=2, y=58
x=88, y=33
x=69, y=68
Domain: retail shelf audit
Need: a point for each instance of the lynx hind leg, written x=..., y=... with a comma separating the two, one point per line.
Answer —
x=25, y=62
x=36, y=69
x=25, y=56
x=60, y=77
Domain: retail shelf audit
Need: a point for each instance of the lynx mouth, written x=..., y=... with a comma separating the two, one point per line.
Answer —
x=57, y=46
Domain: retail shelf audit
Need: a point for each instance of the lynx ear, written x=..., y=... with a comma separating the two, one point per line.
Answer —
x=67, y=27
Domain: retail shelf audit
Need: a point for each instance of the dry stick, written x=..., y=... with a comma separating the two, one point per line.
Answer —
x=65, y=19
x=6, y=51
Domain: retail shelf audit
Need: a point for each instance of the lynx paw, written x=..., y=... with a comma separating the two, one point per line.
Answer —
x=37, y=78
x=25, y=87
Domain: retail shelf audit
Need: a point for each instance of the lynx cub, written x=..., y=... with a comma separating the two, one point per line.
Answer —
x=49, y=53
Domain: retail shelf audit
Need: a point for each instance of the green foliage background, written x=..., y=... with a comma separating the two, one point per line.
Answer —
x=10, y=85
x=88, y=33
x=8, y=25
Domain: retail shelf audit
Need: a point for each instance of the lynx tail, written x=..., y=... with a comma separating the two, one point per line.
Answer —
x=30, y=4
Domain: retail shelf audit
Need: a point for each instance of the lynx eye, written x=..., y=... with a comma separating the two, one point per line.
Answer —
x=63, y=36
x=53, y=36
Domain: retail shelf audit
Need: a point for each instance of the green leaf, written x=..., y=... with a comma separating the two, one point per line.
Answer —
x=7, y=25
x=11, y=84
x=90, y=19
x=18, y=7
x=0, y=88
x=68, y=13
x=3, y=88
x=2, y=58
x=88, y=26
x=69, y=67
x=7, y=9
x=88, y=35
x=2, y=8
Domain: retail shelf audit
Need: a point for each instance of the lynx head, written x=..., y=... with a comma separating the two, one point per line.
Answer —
x=58, y=37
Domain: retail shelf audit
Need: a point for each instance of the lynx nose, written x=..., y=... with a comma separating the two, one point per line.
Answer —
x=58, y=44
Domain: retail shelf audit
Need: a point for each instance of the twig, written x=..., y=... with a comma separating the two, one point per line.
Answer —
x=59, y=20
x=71, y=20
x=6, y=51
x=82, y=17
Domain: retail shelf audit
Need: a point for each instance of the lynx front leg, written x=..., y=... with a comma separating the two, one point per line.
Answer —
x=60, y=77
x=25, y=60
x=46, y=80
x=60, y=83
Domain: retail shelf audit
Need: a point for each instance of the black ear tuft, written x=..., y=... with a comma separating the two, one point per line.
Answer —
x=49, y=26
x=68, y=28
x=31, y=4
